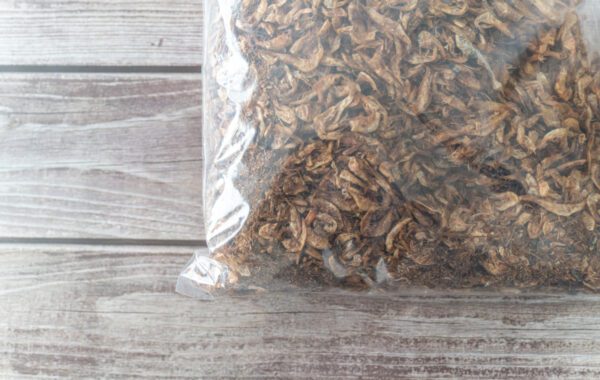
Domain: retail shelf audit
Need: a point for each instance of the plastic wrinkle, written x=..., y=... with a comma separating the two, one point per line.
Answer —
x=201, y=276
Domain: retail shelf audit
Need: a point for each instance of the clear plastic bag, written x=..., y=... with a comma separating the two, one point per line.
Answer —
x=376, y=143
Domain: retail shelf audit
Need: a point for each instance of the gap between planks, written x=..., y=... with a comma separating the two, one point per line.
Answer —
x=82, y=69
x=102, y=242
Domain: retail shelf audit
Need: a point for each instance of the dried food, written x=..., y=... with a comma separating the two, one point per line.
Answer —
x=451, y=143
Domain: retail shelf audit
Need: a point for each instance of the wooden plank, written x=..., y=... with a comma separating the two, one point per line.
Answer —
x=110, y=312
x=122, y=32
x=96, y=32
x=100, y=156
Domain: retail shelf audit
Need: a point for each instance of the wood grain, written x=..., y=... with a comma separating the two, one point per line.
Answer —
x=99, y=32
x=110, y=312
x=100, y=156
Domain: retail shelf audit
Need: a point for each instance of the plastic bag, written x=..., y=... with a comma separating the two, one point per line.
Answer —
x=368, y=143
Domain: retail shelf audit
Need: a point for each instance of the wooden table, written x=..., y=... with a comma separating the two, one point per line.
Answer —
x=100, y=207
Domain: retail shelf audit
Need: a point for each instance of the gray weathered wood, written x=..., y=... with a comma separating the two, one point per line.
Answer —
x=110, y=312
x=99, y=32
x=100, y=156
